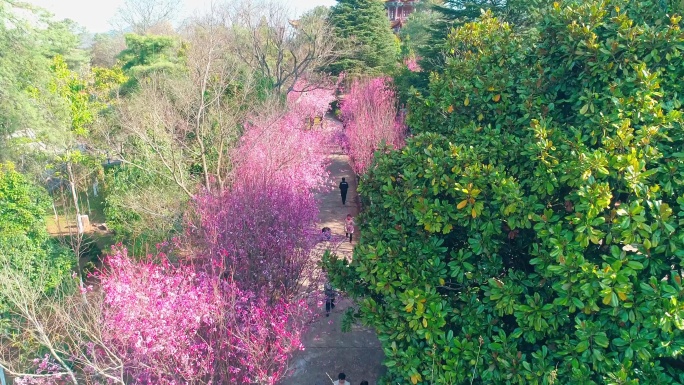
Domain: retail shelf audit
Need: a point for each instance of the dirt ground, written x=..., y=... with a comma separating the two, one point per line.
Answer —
x=328, y=351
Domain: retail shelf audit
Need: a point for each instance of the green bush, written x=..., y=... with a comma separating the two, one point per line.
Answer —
x=25, y=244
x=530, y=232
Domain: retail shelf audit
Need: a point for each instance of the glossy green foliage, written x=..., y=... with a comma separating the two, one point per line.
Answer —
x=531, y=232
x=455, y=13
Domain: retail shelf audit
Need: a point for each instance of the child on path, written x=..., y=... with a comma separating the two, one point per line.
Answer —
x=349, y=227
x=327, y=233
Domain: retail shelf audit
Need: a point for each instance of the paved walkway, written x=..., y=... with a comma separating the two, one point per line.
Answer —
x=327, y=349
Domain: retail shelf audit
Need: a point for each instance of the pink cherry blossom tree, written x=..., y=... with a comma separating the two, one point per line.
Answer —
x=233, y=304
x=263, y=230
x=274, y=148
x=157, y=313
x=311, y=101
x=370, y=117
x=411, y=63
x=260, y=236
x=264, y=237
x=175, y=325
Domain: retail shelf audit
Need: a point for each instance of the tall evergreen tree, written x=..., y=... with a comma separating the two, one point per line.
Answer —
x=364, y=34
x=29, y=40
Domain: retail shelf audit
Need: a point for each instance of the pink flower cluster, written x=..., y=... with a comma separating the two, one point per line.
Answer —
x=175, y=326
x=48, y=372
x=264, y=237
x=310, y=101
x=412, y=64
x=156, y=313
x=233, y=309
x=279, y=148
x=371, y=119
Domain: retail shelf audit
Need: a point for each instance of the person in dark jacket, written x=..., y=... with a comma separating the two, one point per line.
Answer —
x=330, y=295
x=344, y=186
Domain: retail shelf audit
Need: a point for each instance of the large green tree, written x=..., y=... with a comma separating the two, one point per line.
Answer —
x=425, y=34
x=415, y=34
x=24, y=241
x=34, y=112
x=364, y=37
x=22, y=66
x=448, y=14
x=531, y=232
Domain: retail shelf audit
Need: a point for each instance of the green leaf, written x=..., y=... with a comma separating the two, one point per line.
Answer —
x=577, y=302
x=582, y=346
x=601, y=340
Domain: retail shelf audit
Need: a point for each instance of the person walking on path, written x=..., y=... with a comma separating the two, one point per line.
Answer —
x=344, y=186
x=329, y=298
x=341, y=380
x=349, y=226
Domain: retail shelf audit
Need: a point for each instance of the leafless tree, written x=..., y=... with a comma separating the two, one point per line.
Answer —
x=183, y=127
x=142, y=15
x=68, y=326
x=275, y=45
x=190, y=121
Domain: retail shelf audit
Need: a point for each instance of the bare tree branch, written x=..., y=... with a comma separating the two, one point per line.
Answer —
x=271, y=43
x=143, y=15
x=68, y=326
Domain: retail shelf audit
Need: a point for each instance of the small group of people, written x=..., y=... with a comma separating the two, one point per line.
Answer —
x=349, y=223
x=348, y=229
x=329, y=291
x=342, y=380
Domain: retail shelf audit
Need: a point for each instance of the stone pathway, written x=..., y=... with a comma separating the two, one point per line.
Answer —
x=329, y=351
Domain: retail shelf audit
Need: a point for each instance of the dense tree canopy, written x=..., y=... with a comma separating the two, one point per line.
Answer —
x=149, y=54
x=364, y=37
x=27, y=50
x=530, y=233
x=426, y=31
x=219, y=114
x=24, y=241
